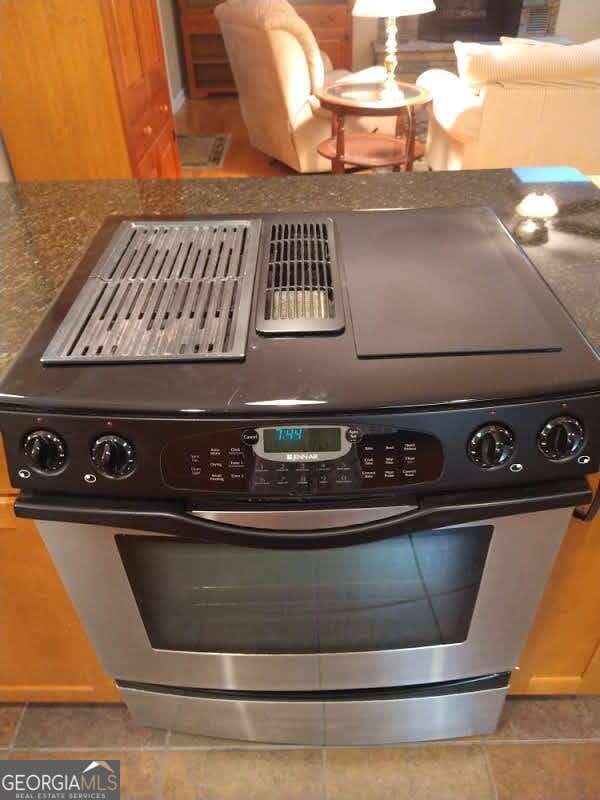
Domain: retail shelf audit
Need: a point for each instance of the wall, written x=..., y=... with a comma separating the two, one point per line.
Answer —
x=579, y=20
x=364, y=33
x=169, y=22
x=5, y=170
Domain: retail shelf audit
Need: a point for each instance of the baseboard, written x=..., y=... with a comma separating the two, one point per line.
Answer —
x=178, y=101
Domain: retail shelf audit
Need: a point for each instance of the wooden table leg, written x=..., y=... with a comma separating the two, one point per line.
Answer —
x=400, y=124
x=401, y=131
x=411, y=136
x=338, y=131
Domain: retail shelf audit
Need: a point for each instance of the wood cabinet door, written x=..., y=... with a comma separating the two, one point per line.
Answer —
x=147, y=166
x=128, y=56
x=150, y=44
x=59, y=110
x=335, y=47
x=167, y=154
x=45, y=656
x=5, y=488
x=562, y=654
x=332, y=27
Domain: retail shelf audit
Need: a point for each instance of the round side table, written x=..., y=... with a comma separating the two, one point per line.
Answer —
x=369, y=150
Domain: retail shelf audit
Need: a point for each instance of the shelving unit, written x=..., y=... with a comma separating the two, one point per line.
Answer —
x=208, y=70
x=207, y=65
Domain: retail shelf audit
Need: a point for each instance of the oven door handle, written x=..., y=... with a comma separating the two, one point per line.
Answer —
x=304, y=519
x=433, y=512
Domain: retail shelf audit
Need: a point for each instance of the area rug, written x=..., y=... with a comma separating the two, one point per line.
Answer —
x=206, y=152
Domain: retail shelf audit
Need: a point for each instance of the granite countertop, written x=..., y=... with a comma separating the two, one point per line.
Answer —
x=46, y=227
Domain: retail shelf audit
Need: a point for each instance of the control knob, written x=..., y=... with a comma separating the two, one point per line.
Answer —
x=491, y=446
x=46, y=451
x=113, y=456
x=562, y=438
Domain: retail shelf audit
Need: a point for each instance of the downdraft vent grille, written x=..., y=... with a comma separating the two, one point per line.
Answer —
x=164, y=291
x=300, y=279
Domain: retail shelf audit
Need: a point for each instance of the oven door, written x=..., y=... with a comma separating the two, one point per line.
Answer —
x=302, y=600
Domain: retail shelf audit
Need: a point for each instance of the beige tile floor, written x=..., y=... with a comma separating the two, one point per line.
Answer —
x=544, y=749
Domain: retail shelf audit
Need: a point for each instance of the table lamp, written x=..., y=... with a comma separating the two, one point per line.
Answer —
x=390, y=9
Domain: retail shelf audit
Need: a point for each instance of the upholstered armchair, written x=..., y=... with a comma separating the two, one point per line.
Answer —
x=277, y=66
x=521, y=103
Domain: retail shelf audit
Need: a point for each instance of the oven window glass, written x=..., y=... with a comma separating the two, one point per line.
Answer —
x=412, y=591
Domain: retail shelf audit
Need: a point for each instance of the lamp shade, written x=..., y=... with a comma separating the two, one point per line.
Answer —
x=392, y=8
x=537, y=206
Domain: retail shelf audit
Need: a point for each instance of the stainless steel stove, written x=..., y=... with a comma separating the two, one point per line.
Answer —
x=305, y=476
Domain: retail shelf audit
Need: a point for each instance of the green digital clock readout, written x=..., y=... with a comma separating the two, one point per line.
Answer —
x=302, y=440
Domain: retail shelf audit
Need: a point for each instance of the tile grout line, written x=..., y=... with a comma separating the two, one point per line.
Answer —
x=13, y=740
x=501, y=742
x=324, y=792
x=283, y=748
x=162, y=779
x=92, y=747
x=490, y=772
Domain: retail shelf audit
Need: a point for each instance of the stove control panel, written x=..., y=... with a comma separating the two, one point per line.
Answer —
x=301, y=460
x=301, y=457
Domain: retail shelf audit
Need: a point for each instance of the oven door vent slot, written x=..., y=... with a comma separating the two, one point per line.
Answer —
x=300, y=285
x=164, y=291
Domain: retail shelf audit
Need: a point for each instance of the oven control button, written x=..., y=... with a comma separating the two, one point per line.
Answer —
x=46, y=451
x=562, y=438
x=353, y=435
x=113, y=456
x=250, y=436
x=491, y=446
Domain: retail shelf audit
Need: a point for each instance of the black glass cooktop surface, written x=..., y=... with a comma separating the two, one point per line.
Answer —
x=440, y=306
x=441, y=282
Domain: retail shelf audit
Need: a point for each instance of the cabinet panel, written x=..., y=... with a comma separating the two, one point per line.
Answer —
x=130, y=56
x=332, y=27
x=335, y=48
x=150, y=44
x=45, y=655
x=161, y=110
x=59, y=110
x=207, y=66
x=126, y=54
x=562, y=655
x=5, y=487
x=167, y=154
x=147, y=166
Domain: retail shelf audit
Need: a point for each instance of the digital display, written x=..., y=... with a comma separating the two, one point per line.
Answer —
x=302, y=440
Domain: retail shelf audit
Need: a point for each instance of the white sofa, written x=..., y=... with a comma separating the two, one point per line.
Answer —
x=277, y=66
x=521, y=103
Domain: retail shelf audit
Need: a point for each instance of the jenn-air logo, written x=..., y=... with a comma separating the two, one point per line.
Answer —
x=60, y=780
x=302, y=456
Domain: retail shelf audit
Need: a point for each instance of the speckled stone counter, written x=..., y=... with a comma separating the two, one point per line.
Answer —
x=45, y=228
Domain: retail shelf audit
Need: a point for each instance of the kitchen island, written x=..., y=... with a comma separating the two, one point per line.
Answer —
x=47, y=228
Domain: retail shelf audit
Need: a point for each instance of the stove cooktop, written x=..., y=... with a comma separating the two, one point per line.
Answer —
x=365, y=310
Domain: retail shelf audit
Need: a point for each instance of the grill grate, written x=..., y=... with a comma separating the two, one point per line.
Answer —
x=164, y=291
x=300, y=279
